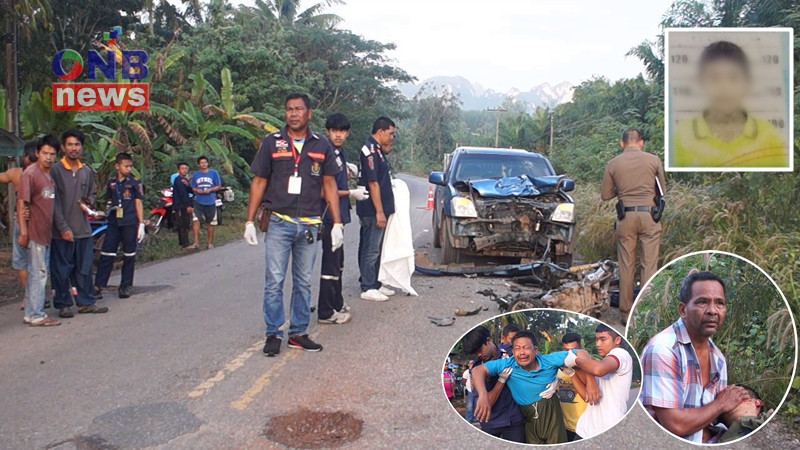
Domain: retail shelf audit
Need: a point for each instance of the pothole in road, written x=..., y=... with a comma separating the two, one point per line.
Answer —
x=314, y=429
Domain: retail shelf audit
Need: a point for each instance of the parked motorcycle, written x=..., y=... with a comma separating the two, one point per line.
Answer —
x=160, y=213
x=224, y=195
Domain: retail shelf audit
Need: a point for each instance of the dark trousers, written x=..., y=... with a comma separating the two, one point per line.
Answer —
x=330, y=280
x=183, y=222
x=115, y=235
x=71, y=263
x=513, y=433
x=369, y=253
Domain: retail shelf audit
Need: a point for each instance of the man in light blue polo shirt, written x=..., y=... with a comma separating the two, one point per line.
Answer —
x=530, y=377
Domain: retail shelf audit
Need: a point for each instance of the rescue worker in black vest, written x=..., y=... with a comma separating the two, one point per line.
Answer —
x=293, y=169
x=634, y=177
x=125, y=225
x=374, y=213
x=332, y=309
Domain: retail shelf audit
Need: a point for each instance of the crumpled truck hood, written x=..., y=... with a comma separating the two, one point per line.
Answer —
x=521, y=186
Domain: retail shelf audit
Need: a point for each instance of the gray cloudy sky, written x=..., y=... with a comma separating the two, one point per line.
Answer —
x=506, y=44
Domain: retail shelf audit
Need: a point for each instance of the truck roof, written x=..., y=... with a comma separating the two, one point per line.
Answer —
x=495, y=151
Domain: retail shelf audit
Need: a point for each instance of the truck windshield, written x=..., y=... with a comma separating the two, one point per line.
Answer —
x=481, y=167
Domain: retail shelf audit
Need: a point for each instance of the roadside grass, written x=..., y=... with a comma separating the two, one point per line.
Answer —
x=703, y=218
x=164, y=245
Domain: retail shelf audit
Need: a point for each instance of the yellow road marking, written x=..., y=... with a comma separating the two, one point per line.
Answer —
x=237, y=362
x=263, y=381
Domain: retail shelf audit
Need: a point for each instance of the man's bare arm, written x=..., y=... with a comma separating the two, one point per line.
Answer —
x=597, y=368
x=686, y=421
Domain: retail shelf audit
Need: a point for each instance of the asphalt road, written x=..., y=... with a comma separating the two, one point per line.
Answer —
x=179, y=365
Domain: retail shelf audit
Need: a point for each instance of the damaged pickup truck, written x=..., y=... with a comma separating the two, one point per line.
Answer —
x=503, y=203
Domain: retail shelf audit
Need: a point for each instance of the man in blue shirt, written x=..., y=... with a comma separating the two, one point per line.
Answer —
x=205, y=184
x=182, y=204
x=332, y=308
x=374, y=212
x=531, y=379
x=506, y=420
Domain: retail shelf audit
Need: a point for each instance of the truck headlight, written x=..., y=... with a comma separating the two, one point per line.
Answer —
x=463, y=207
x=564, y=213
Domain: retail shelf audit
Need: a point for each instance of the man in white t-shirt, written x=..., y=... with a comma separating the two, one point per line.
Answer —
x=614, y=374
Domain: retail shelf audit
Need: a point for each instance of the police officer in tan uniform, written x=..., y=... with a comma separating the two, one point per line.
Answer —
x=631, y=177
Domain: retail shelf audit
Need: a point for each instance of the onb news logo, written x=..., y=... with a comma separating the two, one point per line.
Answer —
x=110, y=95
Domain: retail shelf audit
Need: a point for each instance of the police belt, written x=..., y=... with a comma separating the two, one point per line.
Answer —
x=638, y=208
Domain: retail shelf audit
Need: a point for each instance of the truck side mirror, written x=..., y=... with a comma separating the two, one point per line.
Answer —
x=567, y=184
x=436, y=178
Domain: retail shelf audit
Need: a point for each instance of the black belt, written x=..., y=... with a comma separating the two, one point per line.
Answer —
x=638, y=208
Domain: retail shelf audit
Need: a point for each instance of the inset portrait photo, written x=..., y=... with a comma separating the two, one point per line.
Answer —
x=542, y=376
x=729, y=99
x=718, y=346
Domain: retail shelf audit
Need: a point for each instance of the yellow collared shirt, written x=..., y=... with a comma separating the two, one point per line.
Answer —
x=759, y=145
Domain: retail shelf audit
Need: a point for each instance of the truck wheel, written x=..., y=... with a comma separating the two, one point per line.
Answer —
x=450, y=254
x=437, y=237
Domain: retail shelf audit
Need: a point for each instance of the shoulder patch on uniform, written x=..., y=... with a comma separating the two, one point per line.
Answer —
x=277, y=135
x=365, y=150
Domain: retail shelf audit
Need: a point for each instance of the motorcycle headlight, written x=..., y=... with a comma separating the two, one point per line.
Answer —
x=463, y=207
x=564, y=213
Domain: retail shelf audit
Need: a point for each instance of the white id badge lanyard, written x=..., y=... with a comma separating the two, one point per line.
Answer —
x=295, y=184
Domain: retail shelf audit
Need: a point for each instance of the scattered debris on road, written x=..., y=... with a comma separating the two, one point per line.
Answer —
x=463, y=312
x=442, y=321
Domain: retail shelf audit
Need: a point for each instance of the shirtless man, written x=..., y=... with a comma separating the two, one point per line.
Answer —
x=19, y=255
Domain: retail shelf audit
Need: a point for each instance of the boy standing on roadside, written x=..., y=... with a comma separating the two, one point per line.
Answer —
x=37, y=194
x=125, y=226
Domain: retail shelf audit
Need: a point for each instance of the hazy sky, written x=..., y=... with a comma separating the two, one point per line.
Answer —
x=504, y=44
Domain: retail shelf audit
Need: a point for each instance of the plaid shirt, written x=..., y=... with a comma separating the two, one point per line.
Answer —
x=672, y=374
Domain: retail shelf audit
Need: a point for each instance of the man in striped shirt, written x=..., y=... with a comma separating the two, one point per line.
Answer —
x=685, y=385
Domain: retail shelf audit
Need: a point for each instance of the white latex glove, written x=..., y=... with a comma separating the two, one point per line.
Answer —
x=250, y=235
x=352, y=170
x=502, y=377
x=569, y=361
x=552, y=388
x=337, y=236
x=140, y=234
x=360, y=193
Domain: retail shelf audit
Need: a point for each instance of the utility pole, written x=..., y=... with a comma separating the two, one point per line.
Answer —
x=11, y=81
x=497, y=112
x=552, y=131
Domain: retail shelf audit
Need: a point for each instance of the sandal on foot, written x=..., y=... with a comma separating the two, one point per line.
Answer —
x=45, y=322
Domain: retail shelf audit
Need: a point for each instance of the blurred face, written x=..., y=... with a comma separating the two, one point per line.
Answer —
x=124, y=167
x=606, y=342
x=297, y=115
x=705, y=311
x=386, y=139
x=203, y=164
x=725, y=84
x=525, y=353
x=570, y=346
x=26, y=161
x=338, y=137
x=46, y=156
x=509, y=337
x=73, y=148
x=183, y=170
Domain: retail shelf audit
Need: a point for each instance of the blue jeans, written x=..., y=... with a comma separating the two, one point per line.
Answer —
x=36, y=288
x=19, y=256
x=284, y=239
x=470, y=406
x=369, y=253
